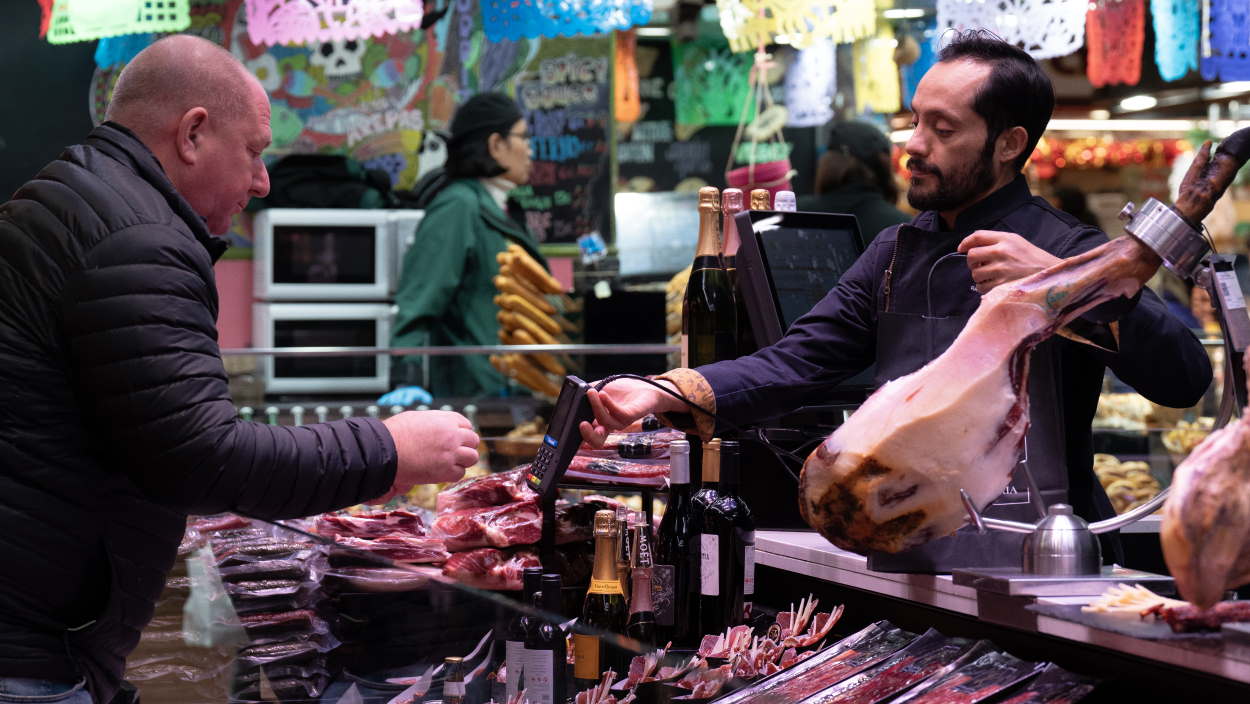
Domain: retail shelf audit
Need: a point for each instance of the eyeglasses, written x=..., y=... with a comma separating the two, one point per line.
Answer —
x=523, y=136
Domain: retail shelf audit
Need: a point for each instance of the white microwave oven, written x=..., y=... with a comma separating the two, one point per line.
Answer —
x=277, y=325
x=324, y=254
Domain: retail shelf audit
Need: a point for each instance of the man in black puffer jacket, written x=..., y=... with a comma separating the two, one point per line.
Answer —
x=116, y=420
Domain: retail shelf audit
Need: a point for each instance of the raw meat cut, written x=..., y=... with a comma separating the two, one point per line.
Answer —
x=1206, y=519
x=371, y=525
x=518, y=523
x=612, y=471
x=489, y=490
x=490, y=568
x=399, y=547
x=1191, y=619
x=889, y=477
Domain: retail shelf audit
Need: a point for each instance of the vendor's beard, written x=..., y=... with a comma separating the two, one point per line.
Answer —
x=955, y=189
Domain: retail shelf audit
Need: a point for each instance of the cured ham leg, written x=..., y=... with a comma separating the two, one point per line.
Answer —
x=1206, y=520
x=889, y=478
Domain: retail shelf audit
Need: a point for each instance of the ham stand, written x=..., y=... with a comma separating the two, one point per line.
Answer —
x=1061, y=553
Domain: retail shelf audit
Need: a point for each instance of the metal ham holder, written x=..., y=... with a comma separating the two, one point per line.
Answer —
x=1061, y=554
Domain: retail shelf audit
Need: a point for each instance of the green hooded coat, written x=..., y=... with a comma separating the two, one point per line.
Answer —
x=446, y=291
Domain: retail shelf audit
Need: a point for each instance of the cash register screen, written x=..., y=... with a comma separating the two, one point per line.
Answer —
x=789, y=261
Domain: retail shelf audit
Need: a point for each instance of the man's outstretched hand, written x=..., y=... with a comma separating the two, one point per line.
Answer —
x=433, y=447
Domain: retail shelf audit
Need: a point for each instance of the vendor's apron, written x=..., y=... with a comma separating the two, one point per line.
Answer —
x=933, y=297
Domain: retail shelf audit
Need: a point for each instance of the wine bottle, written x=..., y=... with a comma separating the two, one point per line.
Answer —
x=517, y=632
x=670, y=577
x=603, y=610
x=708, y=316
x=641, y=623
x=545, y=679
x=705, y=581
x=623, y=549
x=453, y=681
x=729, y=519
x=760, y=200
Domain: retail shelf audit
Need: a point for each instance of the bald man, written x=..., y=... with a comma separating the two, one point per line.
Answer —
x=116, y=420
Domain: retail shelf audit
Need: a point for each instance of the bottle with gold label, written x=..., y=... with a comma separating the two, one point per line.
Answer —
x=603, y=610
x=760, y=200
x=709, y=318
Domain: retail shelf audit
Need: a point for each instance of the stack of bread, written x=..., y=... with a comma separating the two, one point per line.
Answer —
x=1128, y=484
x=529, y=316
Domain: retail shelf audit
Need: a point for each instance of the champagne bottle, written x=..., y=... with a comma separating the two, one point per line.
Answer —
x=641, y=623
x=760, y=200
x=708, y=316
x=731, y=205
x=453, y=681
x=784, y=202
x=729, y=519
x=603, y=610
x=705, y=581
x=517, y=630
x=545, y=679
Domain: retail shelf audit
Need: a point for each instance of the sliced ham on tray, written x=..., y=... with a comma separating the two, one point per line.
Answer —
x=371, y=525
x=483, y=492
x=490, y=568
x=399, y=547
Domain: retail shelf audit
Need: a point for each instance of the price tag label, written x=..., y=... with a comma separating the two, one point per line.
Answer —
x=1230, y=290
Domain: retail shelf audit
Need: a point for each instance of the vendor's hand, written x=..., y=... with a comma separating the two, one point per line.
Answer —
x=622, y=402
x=996, y=258
x=433, y=447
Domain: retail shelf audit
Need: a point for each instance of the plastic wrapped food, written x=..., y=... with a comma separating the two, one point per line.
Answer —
x=1054, y=685
x=921, y=658
x=973, y=681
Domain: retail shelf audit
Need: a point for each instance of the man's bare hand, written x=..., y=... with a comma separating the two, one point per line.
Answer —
x=622, y=402
x=996, y=258
x=433, y=447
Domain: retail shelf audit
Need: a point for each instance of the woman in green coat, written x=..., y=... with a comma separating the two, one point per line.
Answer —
x=446, y=290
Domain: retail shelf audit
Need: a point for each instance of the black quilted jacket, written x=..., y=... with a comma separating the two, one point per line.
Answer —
x=115, y=416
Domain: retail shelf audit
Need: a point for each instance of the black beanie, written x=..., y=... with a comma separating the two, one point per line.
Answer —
x=482, y=115
x=864, y=142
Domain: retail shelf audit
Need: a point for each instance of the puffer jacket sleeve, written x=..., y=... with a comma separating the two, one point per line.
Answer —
x=140, y=328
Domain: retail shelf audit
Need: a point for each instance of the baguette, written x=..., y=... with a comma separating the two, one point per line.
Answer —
x=544, y=360
x=525, y=264
x=529, y=375
x=520, y=306
x=511, y=285
x=521, y=322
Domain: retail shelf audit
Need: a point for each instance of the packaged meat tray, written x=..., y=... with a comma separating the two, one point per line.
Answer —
x=851, y=655
x=1054, y=685
x=921, y=659
x=975, y=679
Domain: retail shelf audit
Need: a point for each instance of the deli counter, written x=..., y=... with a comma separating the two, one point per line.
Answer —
x=368, y=604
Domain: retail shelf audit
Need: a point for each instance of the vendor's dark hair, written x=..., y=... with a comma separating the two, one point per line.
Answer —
x=1018, y=91
x=471, y=157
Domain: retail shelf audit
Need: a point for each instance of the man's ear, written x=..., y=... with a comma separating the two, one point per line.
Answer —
x=190, y=134
x=1011, y=142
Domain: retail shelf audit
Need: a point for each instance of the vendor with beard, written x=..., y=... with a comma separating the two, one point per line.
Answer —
x=977, y=115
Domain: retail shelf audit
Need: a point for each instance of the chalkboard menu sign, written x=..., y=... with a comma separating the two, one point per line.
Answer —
x=657, y=153
x=565, y=93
